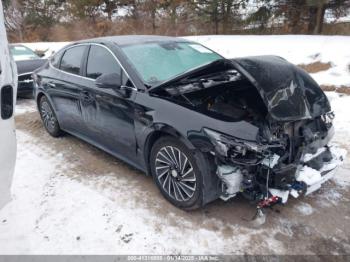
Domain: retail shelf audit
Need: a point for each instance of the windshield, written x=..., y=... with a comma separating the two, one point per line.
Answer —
x=20, y=52
x=159, y=62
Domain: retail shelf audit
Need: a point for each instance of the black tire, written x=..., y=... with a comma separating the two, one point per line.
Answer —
x=184, y=193
x=49, y=118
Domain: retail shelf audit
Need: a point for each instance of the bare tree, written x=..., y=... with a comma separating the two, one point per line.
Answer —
x=14, y=17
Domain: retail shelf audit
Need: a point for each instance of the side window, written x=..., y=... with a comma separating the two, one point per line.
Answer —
x=71, y=60
x=100, y=61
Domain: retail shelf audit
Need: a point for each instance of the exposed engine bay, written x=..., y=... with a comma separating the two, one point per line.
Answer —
x=291, y=153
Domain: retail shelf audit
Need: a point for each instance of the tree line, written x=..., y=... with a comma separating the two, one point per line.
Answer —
x=59, y=20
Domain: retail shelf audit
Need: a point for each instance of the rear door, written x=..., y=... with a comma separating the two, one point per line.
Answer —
x=65, y=89
x=8, y=85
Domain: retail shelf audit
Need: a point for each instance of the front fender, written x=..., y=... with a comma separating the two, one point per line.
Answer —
x=204, y=161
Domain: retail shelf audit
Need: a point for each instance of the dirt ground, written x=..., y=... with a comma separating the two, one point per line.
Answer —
x=317, y=224
x=316, y=67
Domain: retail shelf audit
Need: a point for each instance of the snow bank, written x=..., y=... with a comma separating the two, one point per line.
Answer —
x=48, y=47
x=340, y=105
x=298, y=49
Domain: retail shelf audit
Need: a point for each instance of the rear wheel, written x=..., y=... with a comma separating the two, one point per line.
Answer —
x=176, y=173
x=49, y=118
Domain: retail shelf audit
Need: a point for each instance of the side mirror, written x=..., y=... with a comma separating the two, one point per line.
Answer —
x=112, y=81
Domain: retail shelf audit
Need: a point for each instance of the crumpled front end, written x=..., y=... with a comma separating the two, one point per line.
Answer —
x=288, y=91
x=291, y=154
x=269, y=129
x=289, y=159
x=311, y=173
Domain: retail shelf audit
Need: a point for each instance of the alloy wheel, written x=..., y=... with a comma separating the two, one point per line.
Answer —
x=48, y=116
x=175, y=173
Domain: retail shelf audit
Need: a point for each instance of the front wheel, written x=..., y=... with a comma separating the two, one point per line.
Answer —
x=176, y=173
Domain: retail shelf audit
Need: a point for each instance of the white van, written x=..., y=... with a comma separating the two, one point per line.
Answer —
x=8, y=89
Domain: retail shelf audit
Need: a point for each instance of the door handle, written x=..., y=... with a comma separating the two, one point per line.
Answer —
x=86, y=97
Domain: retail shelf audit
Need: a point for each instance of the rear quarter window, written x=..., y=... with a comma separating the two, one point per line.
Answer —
x=56, y=59
x=72, y=59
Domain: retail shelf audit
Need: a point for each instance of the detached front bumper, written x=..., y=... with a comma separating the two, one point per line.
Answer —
x=313, y=171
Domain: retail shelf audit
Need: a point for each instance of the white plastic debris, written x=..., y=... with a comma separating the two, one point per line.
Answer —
x=294, y=193
x=311, y=177
x=232, y=178
x=308, y=157
x=308, y=175
x=271, y=161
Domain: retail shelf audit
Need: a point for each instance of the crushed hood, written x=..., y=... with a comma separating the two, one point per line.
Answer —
x=287, y=90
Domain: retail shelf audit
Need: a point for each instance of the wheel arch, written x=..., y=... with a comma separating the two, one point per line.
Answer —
x=210, y=180
x=161, y=130
x=38, y=97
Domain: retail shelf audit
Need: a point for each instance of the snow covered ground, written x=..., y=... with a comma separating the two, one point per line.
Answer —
x=71, y=198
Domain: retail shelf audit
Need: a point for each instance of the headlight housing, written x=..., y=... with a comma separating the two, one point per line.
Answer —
x=328, y=119
x=224, y=143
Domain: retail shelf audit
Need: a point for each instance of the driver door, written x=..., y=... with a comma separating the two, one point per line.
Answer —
x=108, y=116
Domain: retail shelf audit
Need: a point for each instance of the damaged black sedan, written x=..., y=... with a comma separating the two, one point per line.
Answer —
x=203, y=126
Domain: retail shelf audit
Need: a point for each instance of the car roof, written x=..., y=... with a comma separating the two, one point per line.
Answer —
x=133, y=39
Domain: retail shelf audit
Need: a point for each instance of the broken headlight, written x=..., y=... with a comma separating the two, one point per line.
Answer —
x=224, y=144
x=328, y=119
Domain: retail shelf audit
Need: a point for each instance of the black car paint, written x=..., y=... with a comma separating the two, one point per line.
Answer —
x=127, y=127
